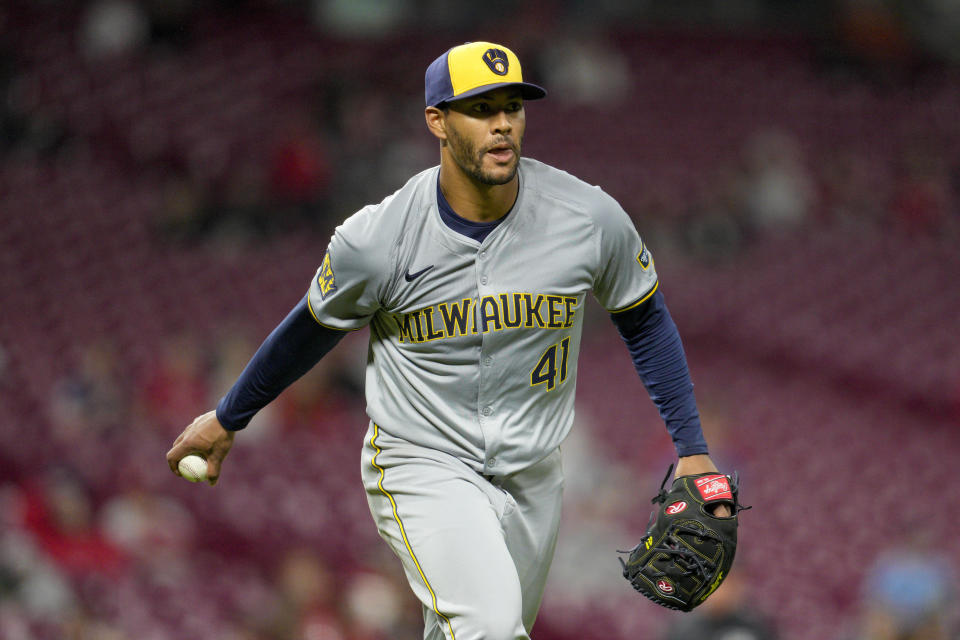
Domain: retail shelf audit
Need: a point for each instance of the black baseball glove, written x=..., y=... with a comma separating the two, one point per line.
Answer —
x=687, y=551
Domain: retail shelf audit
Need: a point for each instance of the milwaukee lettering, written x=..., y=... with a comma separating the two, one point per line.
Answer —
x=471, y=316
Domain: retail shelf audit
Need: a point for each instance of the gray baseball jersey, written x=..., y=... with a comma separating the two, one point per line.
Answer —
x=474, y=345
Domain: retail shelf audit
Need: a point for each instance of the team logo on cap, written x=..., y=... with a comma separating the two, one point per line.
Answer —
x=496, y=59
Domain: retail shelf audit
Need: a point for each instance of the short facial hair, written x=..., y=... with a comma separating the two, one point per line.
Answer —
x=471, y=162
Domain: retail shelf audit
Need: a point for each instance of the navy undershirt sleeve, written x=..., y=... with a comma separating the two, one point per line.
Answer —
x=292, y=349
x=657, y=352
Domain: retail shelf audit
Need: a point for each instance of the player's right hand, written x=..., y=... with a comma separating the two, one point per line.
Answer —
x=204, y=436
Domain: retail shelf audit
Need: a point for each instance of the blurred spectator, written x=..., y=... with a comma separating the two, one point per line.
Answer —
x=592, y=529
x=113, y=28
x=406, y=154
x=93, y=398
x=4, y=361
x=175, y=385
x=873, y=30
x=170, y=23
x=184, y=209
x=776, y=191
x=363, y=121
x=307, y=605
x=713, y=228
x=232, y=350
x=910, y=593
x=240, y=209
x=9, y=117
x=728, y=614
x=935, y=26
x=299, y=173
x=311, y=400
x=85, y=626
x=581, y=68
x=732, y=447
x=871, y=41
x=28, y=127
x=59, y=515
x=850, y=192
x=373, y=607
x=955, y=400
x=327, y=393
x=28, y=579
x=151, y=528
x=359, y=18
x=920, y=201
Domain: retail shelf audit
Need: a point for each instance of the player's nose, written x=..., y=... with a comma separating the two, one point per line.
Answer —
x=500, y=123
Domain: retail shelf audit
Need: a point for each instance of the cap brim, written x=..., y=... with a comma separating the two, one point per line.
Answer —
x=528, y=91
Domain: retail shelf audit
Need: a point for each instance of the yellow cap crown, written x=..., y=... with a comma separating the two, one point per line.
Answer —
x=472, y=68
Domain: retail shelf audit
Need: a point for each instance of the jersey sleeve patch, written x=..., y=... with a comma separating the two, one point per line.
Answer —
x=644, y=258
x=325, y=278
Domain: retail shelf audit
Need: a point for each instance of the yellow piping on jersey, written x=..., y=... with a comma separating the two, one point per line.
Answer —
x=326, y=326
x=403, y=532
x=640, y=301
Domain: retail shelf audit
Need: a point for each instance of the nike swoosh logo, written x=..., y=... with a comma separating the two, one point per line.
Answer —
x=410, y=277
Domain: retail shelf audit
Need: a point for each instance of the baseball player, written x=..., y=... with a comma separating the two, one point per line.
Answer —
x=472, y=278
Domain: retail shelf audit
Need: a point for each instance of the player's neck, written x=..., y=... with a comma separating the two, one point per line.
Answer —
x=474, y=200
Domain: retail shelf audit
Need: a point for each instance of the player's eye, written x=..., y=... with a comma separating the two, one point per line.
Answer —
x=481, y=107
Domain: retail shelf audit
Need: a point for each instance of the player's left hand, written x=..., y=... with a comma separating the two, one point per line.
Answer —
x=204, y=436
x=688, y=548
x=695, y=465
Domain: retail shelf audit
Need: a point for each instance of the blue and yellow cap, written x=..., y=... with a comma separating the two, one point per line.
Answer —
x=472, y=68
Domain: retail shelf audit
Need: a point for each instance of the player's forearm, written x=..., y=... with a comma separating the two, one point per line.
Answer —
x=292, y=349
x=657, y=352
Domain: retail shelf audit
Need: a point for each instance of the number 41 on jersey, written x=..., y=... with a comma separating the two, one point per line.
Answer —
x=546, y=372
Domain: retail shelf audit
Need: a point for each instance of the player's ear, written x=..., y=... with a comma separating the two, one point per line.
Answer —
x=436, y=122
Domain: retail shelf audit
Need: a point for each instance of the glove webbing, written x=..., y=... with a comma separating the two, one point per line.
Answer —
x=684, y=557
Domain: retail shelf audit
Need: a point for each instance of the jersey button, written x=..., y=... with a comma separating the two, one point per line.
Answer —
x=486, y=411
x=483, y=280
x=483, y=255
x=487, y=361
x=492, y=462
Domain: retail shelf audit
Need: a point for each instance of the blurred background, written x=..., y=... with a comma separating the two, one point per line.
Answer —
x=171, y=171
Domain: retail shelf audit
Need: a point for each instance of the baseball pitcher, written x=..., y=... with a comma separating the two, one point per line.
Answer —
x=472, y=278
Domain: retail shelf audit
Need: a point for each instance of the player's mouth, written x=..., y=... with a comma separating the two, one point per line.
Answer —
x=501, y=153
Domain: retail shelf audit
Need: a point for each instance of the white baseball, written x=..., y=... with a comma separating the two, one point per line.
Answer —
x=193, y=468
